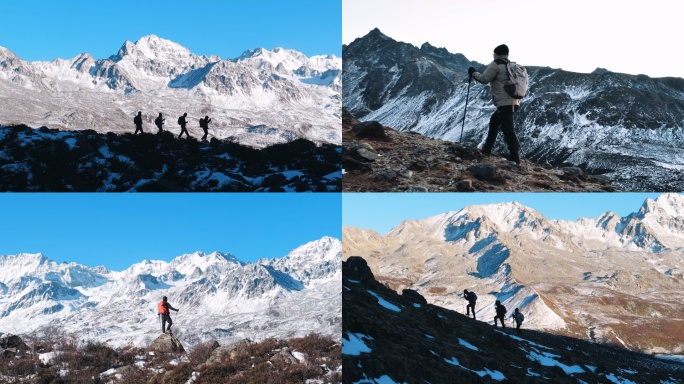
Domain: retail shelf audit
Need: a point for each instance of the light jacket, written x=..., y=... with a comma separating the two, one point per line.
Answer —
x=497, y=74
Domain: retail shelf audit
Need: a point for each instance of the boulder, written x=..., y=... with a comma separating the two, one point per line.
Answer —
x=227, y=351
x=8, y=341
x=483, y=171
x=370, y=129
x=166, y=343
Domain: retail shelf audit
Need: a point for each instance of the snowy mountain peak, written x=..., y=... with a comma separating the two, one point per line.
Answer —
x=668, y=204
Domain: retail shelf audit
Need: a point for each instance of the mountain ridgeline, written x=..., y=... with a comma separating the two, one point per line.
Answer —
x=218, y=296
x=627, y=127
x=261, y=98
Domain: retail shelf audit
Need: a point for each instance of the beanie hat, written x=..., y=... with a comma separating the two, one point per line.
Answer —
x=501, y=49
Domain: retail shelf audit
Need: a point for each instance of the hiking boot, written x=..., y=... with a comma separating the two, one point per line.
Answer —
x=485, y=152
x=513, y=158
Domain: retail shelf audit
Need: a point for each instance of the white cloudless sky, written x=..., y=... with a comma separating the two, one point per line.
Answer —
x=630, y=36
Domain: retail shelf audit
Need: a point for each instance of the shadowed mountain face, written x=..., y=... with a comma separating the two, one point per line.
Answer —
x=609, y=279
x=388, y=337
x=627, y=127
x=86, y=161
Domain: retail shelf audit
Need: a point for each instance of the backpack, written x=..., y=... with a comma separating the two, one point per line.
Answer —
x=472, y=296
x=520, y=317
x=180, y=120
x=162, y=309
x=518, y=80
x=201, y=122
x=502, y=310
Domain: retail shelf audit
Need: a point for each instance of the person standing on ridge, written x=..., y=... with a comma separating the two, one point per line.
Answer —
x=159, y=121
x=518, y=317
x=204, y=124
x=182, y=122
x=163, y=310
x=506, y=105
x=472, y=298
x=137, y=120
x=500, y=313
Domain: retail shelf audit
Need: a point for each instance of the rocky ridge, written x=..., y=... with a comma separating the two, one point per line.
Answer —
x=392, y=337
x=381, y=159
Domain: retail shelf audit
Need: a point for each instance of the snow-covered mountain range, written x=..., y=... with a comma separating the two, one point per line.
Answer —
x=627, y=127
x=261, y=98
x=609, y=278
x=218, y=296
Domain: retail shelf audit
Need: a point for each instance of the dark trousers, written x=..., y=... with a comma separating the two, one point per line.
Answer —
x=183, y=129
x=468, y=307
x=138, y=128
x=517, y=328
x=160, y=129
x=166, y=319
x=206, y=132
x=502, y=119
x=499, y=317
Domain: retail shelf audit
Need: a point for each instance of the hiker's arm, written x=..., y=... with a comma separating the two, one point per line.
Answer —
x=488, y=75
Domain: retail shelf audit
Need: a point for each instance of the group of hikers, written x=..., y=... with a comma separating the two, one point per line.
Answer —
x=182, y=121
x=517, y=316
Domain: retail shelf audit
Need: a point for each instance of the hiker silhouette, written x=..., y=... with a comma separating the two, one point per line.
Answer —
x=500, y=313
x=182, y=122
x=506, y=105
x=472, y=298
x=159, y=121
x=163, y=310
x=518, y=317
x=137, y=120
x=204, y=124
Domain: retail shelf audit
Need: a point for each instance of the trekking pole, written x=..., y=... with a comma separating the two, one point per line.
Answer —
x=470, y=79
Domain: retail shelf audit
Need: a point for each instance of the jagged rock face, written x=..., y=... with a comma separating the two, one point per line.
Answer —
x=166, y=343
x=610, y=279
x=389, y=337
x=624, y=126
x=292, y=95
x=218, y=296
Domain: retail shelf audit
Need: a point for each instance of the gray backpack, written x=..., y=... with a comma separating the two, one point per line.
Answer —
x=518, y=79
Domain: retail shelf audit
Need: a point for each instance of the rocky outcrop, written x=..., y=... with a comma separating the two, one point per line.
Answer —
x=166, y=343
x=87, y=161
x=394, y=161
x=392, y=336
x=10, y=345
x=224, y=352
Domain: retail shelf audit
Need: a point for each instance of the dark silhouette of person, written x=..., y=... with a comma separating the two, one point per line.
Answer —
x=518, y=317
x=164, y=310
x=159, y=121
x=502, y=119
x=472, y=298
x=204, y=124
x=137, y=120
x=183, y=123
x=500, y=313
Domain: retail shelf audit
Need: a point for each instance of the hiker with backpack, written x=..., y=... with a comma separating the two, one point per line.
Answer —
x=164, y=310
x=518, y=317
x=500, y=313
x=204, y=124
x=159, y=121
x=508, y=85
x=137, y=120
x=182, y=122
x=472, y=298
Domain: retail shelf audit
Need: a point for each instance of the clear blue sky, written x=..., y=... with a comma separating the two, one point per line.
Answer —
x=117, y=230
x=49, y=29
x=383, y=211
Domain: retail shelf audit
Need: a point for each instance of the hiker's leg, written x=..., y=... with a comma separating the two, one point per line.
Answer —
x=494, y=124
x=506, y=113
x=163, y=323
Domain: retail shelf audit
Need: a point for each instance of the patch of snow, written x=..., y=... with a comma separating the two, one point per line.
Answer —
x=385, y=303
x=495, y=375
x=548, y=360
x=355, y=345
x=618, y=380
x=467, y=345
x=47, y=358
x=429, y=336
x=299, y=356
